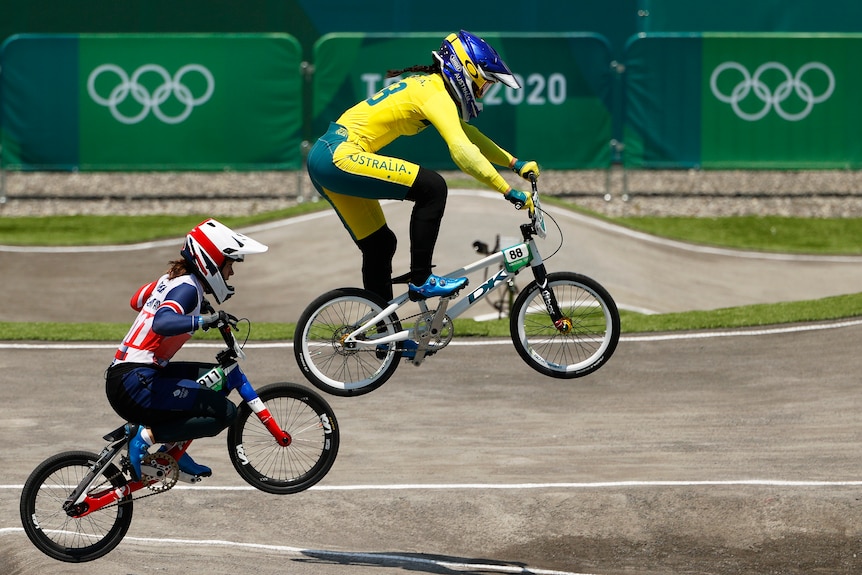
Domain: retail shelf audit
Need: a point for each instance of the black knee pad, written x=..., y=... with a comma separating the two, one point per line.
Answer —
x=429, y=191
x=378, y=249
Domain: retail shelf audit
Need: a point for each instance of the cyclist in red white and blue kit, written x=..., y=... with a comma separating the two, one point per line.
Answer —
x=347, y=169
x=162, y=399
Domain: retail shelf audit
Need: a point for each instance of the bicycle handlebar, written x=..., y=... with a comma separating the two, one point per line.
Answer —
x=225, y=329
x=536, y=215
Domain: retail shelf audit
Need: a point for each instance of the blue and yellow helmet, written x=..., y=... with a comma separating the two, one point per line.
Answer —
x=470, y=65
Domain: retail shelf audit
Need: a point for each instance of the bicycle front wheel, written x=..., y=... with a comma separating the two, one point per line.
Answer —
x=52, y=530
x=587, y=336
x=331, y=363
x=282, y=469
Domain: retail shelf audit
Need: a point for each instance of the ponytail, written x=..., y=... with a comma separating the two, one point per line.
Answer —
x=418, y=68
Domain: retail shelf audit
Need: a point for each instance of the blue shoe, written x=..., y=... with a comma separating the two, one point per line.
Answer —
x=188, y=465
x=137, y=448
x=436, y=286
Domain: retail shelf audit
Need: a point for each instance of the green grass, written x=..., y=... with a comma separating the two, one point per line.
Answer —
x=771, y=234
x=830, y=308
x=762, y=233
x=96, y=230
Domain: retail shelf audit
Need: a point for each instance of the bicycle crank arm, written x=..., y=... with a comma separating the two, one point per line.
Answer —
x=432, y=331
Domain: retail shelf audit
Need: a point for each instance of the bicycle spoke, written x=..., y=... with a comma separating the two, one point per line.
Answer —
x=585, y=337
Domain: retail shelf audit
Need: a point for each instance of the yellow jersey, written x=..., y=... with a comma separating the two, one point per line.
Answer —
x=407, y=107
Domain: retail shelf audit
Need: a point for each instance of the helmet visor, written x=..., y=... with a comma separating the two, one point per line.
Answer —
x=480, y=90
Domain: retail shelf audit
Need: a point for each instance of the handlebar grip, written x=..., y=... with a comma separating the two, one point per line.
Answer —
x=533, y=179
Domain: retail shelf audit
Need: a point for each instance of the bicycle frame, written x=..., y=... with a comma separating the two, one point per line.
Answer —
x=511, y=260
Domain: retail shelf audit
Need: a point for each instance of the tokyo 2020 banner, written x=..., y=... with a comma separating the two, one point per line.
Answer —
x=775, y=101
x=151, y=102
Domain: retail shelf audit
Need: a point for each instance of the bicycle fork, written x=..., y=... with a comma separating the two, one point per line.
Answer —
x=561, y=322
x=249, y=395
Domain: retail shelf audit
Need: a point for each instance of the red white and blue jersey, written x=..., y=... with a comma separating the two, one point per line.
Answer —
x=167, y=314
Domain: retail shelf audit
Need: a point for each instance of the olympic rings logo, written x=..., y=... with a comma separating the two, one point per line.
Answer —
x=150, y=102
x=792, y=83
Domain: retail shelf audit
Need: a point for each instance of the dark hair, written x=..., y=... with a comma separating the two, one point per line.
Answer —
x=434, y=67
x=180, y=267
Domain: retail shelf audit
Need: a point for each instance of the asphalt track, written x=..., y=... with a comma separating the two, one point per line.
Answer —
x=731, y=452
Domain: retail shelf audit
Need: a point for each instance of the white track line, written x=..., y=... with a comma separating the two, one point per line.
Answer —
x=645, y=237
x=469, y=342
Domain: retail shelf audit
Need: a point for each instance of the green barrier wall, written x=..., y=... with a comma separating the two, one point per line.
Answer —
x=146, y=102
x=207, y=102
x=744, y=101
x=662, y=102
x=308, y=20
x=562, y=115
x=749, y=16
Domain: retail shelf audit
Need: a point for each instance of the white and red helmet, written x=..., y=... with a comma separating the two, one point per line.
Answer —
x=207, y=248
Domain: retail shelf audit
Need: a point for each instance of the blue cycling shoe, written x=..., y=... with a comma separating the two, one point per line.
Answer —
x=137, y=448
x=188, y=465
x=436, y=286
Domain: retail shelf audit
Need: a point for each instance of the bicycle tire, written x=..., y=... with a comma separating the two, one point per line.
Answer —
x=268, y=466
x=318, y=343
x=587, y=346
x=51, y=530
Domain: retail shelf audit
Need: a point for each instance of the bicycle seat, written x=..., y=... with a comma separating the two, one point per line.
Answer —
x=115, y=435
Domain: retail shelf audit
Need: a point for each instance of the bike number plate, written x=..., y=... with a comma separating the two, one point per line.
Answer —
x=516, y=257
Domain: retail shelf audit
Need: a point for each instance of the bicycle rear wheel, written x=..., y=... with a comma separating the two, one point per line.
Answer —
x=590, y=336
x=265, y=464
x=337, y=367
x=52, y=530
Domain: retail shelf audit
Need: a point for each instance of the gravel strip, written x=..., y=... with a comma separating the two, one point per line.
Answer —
x=615, y=192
